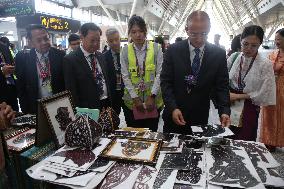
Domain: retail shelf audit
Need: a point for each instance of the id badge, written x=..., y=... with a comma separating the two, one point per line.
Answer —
x=152, y=76
x=118, y=81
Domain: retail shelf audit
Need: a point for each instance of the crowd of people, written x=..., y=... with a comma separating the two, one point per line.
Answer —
x=143, y=78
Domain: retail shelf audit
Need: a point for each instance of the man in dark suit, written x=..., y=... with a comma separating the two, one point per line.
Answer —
x=85, y=72
x=112, y=58
x=39, y=71
x=191, y=70
x=7, y=81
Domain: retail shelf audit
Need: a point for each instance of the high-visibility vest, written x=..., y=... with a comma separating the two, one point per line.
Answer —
x=149, y=76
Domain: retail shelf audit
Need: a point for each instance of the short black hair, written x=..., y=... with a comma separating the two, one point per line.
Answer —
x=73, y=37
x=32, y=27
x=236, y=43
x=89, y=26
x=281, y=32
x=5, y=40
x=139, y=21
x=178, y=39
x=253, y=30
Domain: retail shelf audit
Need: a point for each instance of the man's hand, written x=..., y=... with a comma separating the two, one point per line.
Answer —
x=7, y=111
x=178, y=117
x=225, y=120
x=138, y=104
x=8, y=69
x=150, y=103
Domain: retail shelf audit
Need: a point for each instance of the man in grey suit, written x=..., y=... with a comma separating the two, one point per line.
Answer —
x=192, y=69
x=85, y=71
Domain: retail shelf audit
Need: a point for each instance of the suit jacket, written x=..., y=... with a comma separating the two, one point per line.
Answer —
x=79, y=79
x=213, y=76
x=116, y=95
x=8, y=94
x=28, y=81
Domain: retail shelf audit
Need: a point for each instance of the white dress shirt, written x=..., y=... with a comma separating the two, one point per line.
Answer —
x=192, y=52
x=140, y=54
x=88, y=58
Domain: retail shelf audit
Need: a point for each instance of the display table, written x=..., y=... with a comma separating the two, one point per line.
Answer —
x=138, y=159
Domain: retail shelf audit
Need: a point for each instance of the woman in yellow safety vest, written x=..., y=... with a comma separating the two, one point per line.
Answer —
x=141, y=65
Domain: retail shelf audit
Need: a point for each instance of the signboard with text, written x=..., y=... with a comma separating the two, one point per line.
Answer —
x=51, y=23
x=9, y=8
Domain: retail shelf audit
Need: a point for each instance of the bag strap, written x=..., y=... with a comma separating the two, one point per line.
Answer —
x=234, y=59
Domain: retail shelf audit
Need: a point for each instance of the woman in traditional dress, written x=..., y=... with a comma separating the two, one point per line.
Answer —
x=272, y=132
x=141, y=65
x=252, y=84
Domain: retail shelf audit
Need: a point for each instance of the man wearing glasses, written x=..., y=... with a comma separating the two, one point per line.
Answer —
x=192, y=69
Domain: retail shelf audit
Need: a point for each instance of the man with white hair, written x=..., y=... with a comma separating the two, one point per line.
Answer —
x=112, y=59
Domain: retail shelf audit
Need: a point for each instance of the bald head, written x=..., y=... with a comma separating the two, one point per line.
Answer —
x=197, y=28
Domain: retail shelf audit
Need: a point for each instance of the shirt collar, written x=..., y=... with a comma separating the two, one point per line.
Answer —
x=191, y=48
x=40, y=54
x=86, y=54
x=143, y=47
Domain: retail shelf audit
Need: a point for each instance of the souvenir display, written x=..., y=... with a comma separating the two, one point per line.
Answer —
x=123, y=133
x=20, y=139
x=231, y=166
x=121, y=175
x=101, y=165
x=256, y=147
x=133, y=149
x=180, y=161
x=27, y=119
x=59, y=112
x=194, y=175
x=78, y=158
x=146, y=177
x=109, y=120
x=165, y=179
x=205, y=131
x=83, y=132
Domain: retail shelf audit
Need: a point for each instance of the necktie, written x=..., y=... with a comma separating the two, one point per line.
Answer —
x=98, y=76
x=196, y=62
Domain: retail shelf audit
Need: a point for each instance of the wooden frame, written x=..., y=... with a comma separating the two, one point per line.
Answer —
x=107, y=152
x=50, y=106
x=20, y=140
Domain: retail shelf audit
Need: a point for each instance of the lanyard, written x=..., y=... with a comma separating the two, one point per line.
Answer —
x=140, y=72
x=241, y=84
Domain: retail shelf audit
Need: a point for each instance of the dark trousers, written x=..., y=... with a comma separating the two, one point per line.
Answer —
x=11, y=97
x=152, y=123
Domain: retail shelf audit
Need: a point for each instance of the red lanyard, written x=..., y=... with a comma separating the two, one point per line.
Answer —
x=138, y=70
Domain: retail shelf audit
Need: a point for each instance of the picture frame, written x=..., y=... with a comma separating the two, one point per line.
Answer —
x=133, y=149
x=59, y=112
x=20, y=140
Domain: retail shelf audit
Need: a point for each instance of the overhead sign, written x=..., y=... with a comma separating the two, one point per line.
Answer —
x=51, y=23
x=10, y=8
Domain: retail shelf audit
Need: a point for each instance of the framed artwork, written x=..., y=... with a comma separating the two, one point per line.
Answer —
x=20, y=139
x=59, y=112
x=138, y=150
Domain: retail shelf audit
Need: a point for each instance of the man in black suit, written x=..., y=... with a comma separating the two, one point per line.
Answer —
x=191, y=70
x=7, y=81
x=112, y=57
x=39, y=71
x=85, y=71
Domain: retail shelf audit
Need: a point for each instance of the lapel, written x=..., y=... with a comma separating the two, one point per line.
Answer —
x=186, y=56
x=204, y=66
x=52, y=63
x=102, y=64
x=32, y=66
x=84, y=63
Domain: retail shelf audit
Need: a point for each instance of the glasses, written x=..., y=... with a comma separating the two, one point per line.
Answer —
x=196, y=35
x=246, y=45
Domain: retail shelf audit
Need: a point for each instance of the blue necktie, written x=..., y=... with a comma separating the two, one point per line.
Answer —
x=196, y=62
